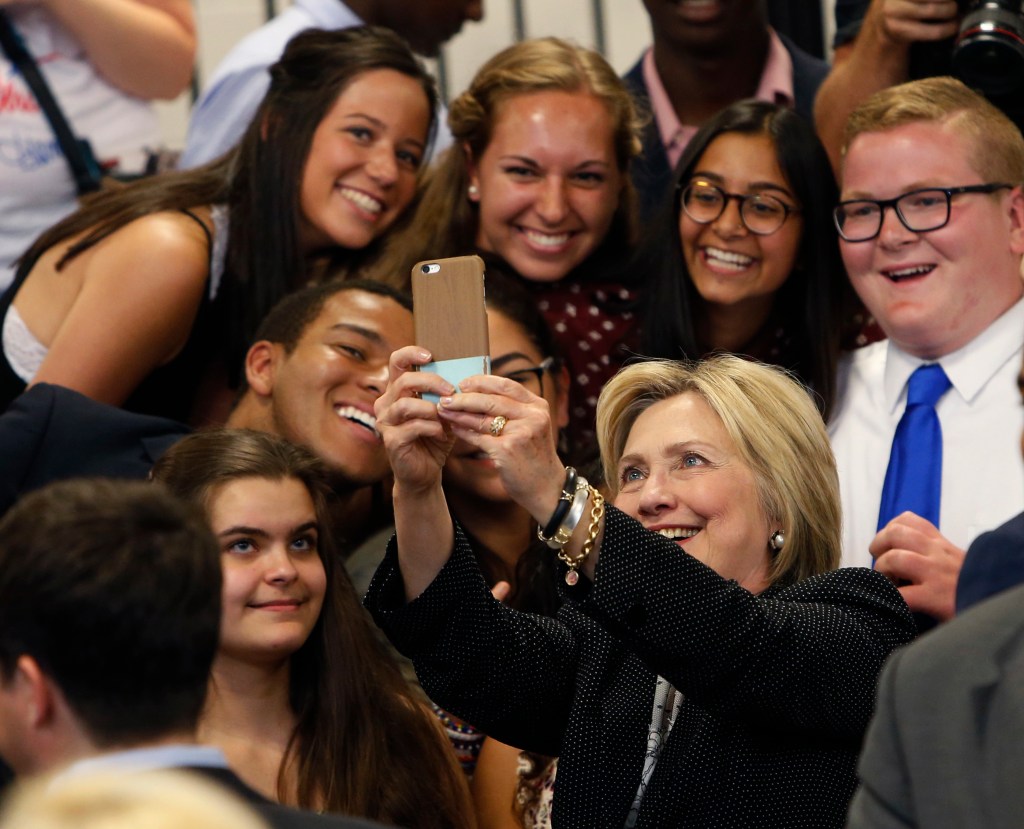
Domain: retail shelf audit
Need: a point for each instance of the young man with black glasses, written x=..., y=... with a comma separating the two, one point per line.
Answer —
x=931, y=227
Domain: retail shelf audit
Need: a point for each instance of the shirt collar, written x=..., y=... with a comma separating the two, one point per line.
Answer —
x=665, y=117
x=776, y=86
x=970, y=368
x=147, y=759
x=777, y=77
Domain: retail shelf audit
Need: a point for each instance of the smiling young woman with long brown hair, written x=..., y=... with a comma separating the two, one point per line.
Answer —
x=304, y=700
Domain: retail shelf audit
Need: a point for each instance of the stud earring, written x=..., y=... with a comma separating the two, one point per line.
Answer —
x=776, y=541
x=473, y=191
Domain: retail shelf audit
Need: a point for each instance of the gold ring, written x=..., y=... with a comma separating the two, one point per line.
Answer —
x=498, y=424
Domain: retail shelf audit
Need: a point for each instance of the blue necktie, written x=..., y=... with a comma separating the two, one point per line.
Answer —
x=913, y=480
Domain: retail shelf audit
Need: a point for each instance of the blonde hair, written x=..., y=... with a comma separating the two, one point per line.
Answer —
x=777, y=431
x=444, y=222
x=138, y=800
x=997, y=148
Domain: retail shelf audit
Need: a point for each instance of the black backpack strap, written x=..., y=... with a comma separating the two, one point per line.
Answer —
x=77, y=151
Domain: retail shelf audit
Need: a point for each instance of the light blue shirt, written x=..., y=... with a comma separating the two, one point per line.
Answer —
x=173, y=756
x=230, y=99
x=234, y=92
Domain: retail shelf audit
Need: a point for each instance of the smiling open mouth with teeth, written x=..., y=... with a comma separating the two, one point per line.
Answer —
x=364, y=419
x=898, y=275
x=727, y=258
x=546, y=240
x=678, y=532
x=362, y=200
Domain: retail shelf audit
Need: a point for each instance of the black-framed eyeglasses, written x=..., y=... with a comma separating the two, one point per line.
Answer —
x=929, y=208
x=761, y=213
x=532, y=378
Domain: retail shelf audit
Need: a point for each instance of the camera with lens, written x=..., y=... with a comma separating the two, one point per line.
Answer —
x=989, y=50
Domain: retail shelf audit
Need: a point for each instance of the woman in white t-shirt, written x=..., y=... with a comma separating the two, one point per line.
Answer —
x=104, y=63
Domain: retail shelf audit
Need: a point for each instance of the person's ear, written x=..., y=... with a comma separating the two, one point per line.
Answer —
x=472, y=174
x=34, y=691
x=1016, y=208
x=261, y=364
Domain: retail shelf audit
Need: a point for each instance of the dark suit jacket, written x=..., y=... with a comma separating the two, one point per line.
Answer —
x=50, y=433
x=778, y=688
x=994, y=562
x=946, y=747
x=278, y=816
x=651, y=173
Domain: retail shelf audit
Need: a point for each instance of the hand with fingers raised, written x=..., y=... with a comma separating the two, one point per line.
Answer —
x=417, y=443
x=512, y=426
x=416, y=440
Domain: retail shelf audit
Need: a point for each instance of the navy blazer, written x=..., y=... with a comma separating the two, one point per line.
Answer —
x=994, y=562
x=777, y=688
x=50, y=433
x=651, y=173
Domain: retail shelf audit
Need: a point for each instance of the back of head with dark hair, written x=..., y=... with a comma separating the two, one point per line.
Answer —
x=114, y=589
x=815, y=297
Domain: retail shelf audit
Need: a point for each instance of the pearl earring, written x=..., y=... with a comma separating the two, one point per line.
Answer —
x=776, y=541
x=473, y=191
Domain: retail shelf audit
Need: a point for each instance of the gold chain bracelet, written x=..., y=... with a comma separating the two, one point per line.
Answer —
x=573, y=562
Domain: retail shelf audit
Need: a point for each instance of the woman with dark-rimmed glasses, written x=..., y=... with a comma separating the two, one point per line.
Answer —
x=742, y=258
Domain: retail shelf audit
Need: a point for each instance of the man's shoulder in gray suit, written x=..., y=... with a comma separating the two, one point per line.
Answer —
x=945, y=749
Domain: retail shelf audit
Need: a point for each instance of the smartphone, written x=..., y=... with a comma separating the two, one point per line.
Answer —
x=450, y=317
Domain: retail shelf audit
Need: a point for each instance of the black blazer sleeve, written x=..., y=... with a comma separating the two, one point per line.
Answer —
x=508, y=673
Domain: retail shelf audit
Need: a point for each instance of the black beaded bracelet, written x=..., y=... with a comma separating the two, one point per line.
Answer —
x=562, y=508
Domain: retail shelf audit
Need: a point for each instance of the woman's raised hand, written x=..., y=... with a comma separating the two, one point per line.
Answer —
x=512, y=427
x=417, y=444
x=416, y=440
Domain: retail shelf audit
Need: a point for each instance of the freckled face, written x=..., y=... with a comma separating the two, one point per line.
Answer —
x=274, y=580
x=548, y=183
x=680, y=475
x=361, y=169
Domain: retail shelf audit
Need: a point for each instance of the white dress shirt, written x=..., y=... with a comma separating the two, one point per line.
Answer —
x=982, y=420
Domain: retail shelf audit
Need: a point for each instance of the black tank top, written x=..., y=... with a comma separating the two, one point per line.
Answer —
x=167, y=391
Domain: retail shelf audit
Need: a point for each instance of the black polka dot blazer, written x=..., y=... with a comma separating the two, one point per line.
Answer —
x=778, y=688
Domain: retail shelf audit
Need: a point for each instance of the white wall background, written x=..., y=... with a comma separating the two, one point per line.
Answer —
x=625, y=26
